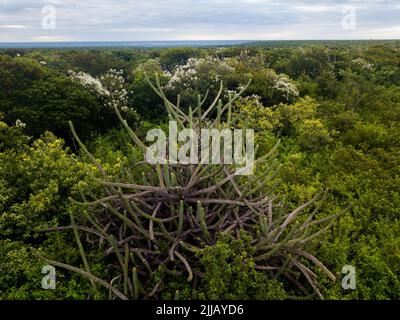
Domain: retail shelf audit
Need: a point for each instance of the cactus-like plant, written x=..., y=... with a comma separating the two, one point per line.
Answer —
x=159, y=224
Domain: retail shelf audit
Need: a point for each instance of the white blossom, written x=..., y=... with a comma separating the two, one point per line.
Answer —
x=185, y=76
x=89, y=82
x=110, y=86
x=363, y=64
x=20, y=124
x=284, y=85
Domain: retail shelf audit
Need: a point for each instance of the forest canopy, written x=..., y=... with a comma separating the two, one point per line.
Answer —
x=330, y=111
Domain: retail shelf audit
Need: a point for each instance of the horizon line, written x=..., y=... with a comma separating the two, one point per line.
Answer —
x=206, y=40
x=157, y=44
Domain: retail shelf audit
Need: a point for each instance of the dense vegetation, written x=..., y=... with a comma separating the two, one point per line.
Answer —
x=334, y=107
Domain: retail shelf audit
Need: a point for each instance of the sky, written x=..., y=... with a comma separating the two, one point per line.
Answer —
x=150, y=20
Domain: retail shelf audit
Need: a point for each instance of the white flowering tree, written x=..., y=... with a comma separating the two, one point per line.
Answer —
x=286, y=87
x=273, y=88
x=111, y=87
x=200, y=74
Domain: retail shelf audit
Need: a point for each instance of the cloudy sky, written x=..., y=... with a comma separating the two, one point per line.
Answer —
x=104, y=20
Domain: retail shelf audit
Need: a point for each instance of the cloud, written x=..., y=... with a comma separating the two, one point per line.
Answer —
x=12, y=26
x=54, y=38
x=314, y=8
x=102, y=20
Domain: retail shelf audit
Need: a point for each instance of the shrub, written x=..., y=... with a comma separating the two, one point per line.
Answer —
x=35, y=184
x=231, y=274
x=156, y=229
x=312, y=135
